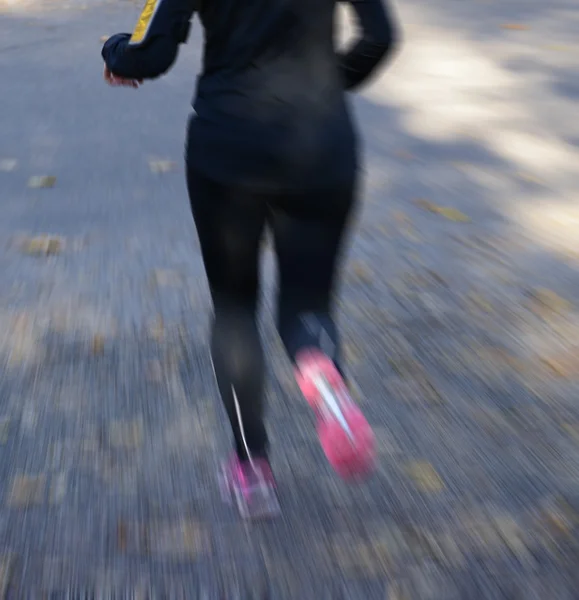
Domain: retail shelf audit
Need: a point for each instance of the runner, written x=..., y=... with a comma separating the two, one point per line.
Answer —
x=271, y=144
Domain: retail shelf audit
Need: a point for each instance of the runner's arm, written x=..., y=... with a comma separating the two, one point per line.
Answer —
x=375, y=44
x=152, y=48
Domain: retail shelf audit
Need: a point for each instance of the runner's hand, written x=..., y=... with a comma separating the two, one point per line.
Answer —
x=115, y=81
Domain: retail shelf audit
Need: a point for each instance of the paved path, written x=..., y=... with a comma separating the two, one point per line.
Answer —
x=461, y=333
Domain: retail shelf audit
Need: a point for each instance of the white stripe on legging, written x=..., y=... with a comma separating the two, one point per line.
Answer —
x=237, y=412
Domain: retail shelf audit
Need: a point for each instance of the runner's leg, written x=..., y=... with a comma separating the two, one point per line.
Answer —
x=229, y=225
x=309, y=233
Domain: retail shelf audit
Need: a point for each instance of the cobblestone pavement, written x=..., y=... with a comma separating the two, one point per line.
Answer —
x=459, y=309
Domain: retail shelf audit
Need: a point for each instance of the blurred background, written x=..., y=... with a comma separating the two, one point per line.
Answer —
x=458, y=303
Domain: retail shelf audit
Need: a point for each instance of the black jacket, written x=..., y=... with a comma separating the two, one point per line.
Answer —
x=270, y=107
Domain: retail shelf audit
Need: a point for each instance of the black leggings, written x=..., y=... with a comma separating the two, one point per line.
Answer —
x=308, y=230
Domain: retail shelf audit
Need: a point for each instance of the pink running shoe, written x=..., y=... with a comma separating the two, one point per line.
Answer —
x=251, y=486
x=344, y=432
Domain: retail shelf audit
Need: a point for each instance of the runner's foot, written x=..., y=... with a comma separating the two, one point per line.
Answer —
x=251, y=486
x=344, y=432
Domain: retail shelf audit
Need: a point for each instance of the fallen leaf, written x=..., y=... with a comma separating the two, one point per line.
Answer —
x=364, y=557
x=54, y=246
x=529, y=177
x=166, y=278
x=126, y=434
x=557, y=523
x=157, y=330
x=104, y=38
x=515, y=26
x=409, y=232
x=23, y=339
x=452, y=214
x=411, y=371
x=501, y=358
x=400, y=217
x=155, y=371
x=564, y=364
x=57, y=490
x=27, y=490
x=405, y=155
x=559, y=48
x=122, y=536
x=98, y=344
x=42, y=181
x=424, y=476
x=352, y=354
x=8, y=164
x=436, y=277
x=361, y=272
x=513, y=536
x=544, y=298
x=43, y=245
x=355, y=391
x=397, y=592
x=187, y=539
x=405, y=226
x=414, y=279
x=162, y=166
x=556, y=367
x=402, y=367
x=4, y=430
x=479, y=302
x=566, y=511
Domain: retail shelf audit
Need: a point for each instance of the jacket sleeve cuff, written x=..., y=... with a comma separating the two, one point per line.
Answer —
x=115, y=44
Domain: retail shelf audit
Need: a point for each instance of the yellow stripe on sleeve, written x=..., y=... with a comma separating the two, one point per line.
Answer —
x=144, y=21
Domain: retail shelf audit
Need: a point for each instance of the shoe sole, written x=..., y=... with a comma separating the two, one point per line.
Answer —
x=344, y=432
